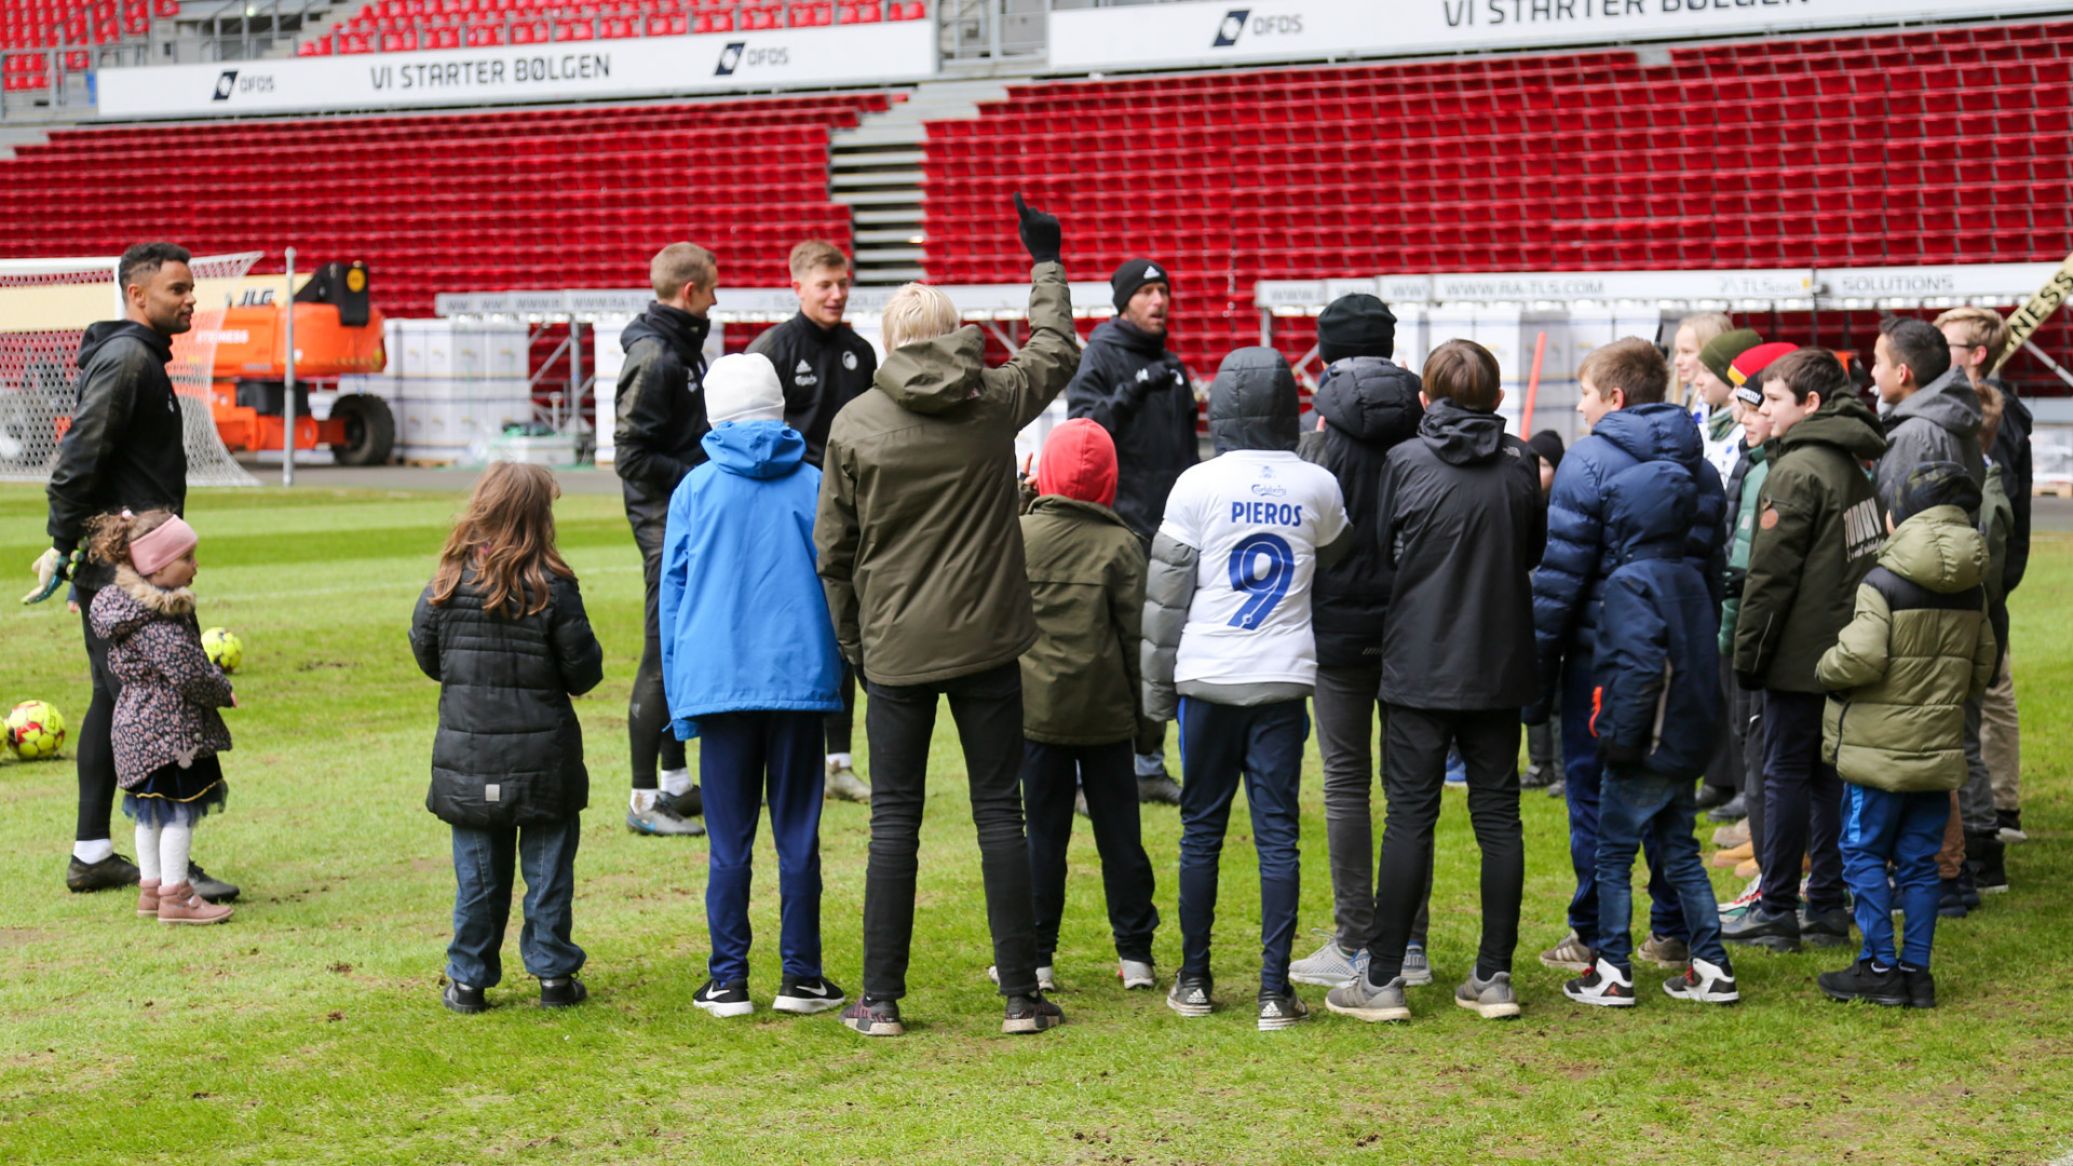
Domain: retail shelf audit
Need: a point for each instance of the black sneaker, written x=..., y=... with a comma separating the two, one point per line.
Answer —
x=806, y=994
x=1762, y=927
x=562, y=992
x=1713, y=796
x=1031, y=1014
x=1283, y=1009
x=1735, y=809
x=461, y=998
x=1985, y=854
x=874, y=1017
x=1860, y=981
x=689, y=804
x=1558, y=788
x=213, y=889
x=2008, y=826
x=107, y=874
x=1536, y=776
x=1190, y=995
x=1921, y=987
x=1950, y=900
x=1830, y=928
x=728, y=999
x=1158, y=790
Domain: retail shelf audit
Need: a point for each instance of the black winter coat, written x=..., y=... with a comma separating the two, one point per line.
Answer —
x=124, y=447
x=1141, y=394
x=821, y=369
x=509, y=750
x=661, y=402
x=2012, y=457
x=1369, y=405
x=1461, y=529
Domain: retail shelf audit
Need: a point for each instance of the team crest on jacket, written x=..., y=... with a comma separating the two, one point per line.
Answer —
x=849, y=361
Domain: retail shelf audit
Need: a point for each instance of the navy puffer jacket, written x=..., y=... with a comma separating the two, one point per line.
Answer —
x=1569, y=586
x=1657, y=697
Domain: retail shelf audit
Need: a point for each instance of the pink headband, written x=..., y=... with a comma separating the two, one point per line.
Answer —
x=150, y=553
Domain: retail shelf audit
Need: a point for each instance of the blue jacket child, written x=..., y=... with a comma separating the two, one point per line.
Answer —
x=1655, y=711
x=749, y=666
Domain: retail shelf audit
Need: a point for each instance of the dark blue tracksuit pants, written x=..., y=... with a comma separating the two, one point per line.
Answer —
x=745, y=759
x=1906, y=830
x=1219, y=744
x=1582, y=775
x=1638, y=808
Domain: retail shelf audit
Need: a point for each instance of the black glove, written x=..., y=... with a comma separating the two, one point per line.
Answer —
x=1749, y=681
x=1041, y=236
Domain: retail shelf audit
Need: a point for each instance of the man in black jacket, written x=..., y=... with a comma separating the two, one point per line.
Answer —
x=123, y=451
x=1141, y=394
x=1461, y=528
x=661, y=405
x=823, y=365
x=1367, y=405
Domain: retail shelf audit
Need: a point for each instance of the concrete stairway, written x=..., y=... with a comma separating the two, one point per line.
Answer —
x=876, y=169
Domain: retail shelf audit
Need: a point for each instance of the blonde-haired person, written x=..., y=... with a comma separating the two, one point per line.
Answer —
x=1693, y=334
x=921, y=558
x=823, y=365
x=1977, y=336
x=501, y=627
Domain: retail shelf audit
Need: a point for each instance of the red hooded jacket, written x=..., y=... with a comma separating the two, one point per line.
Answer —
x=1079, y=461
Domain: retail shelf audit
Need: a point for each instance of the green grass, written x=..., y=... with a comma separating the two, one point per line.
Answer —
x=309, y=1030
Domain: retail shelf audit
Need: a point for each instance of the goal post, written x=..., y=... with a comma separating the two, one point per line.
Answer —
x=45, y=308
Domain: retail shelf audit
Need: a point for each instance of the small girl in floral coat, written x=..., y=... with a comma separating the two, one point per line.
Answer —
x=167, y=731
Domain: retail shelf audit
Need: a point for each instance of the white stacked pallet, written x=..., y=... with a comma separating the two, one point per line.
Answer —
x=455, y=385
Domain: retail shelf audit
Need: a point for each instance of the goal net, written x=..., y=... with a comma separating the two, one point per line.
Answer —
x=45, y=307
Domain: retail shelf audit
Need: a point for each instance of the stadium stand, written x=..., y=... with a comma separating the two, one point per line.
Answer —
x=390, y=26
x=551, y=198
x=72, y=25
x=1759, y=154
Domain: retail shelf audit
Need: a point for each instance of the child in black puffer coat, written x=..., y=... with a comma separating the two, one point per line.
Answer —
x=166, y=731
x=501, y=627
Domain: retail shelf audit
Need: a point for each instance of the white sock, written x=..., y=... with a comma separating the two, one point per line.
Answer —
x=675, y=782
x=841, y=761
x=173, y=845
x=94, y=851
x=147, y=852
x=643, y=800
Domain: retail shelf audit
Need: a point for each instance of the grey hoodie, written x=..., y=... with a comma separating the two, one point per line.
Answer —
x=1939, y=423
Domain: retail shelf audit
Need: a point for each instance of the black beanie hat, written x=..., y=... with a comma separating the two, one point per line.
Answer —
x=1133, y=275
x=1548, y=444
x=1934, y=484
x=1356, y=325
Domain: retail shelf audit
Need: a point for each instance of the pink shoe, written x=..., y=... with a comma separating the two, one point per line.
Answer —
x=147, y=898
x=179, y=904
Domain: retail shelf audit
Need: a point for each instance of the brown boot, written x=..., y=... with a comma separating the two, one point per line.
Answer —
x=179, y=904
x=1726, y=859
x=147, y=898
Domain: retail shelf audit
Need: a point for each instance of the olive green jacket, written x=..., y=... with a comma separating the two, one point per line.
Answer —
x=915, y=533
x=1918, y=648
x=1086, y=579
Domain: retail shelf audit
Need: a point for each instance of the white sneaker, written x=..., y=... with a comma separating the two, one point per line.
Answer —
x=1330, y=966
x=1136, y=974
x=1704, y=983
x=1046, y=981
x=1604, y=986
x=843, y=784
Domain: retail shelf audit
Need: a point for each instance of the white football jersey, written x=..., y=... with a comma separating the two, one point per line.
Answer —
x=1257, y=518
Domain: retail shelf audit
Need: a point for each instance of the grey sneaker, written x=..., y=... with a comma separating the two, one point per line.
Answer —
x=1417, y=970
x=1279, y=1010
x=843, y=784
x=1160, y=790
x=1570, y=955
x=1329, y=966
x=1665, y=952
x=1491, y=999
x=1047, y=980
x=658, y=821
x=1364, y=1001
x=1136, y=974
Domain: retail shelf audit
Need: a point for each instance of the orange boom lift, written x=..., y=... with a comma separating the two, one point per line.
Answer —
x=337, y=332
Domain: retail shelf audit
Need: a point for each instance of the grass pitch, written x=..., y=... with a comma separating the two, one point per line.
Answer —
x=309, y=1029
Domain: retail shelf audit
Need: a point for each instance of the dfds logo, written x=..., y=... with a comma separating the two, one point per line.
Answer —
x=226, y=85
x=1238, y=20
x=730, y=57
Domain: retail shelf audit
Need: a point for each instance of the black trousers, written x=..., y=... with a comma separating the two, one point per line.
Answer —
x=900, y=720
x=96, y=751
x=1108, y=775
x=647, y=712
x=1414, y=774
x=1724, y=770
x=1803, y=806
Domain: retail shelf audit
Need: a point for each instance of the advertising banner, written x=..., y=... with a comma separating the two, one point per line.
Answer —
x=561, y=71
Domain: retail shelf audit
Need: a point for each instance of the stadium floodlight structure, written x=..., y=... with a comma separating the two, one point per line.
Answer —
x=45, y=308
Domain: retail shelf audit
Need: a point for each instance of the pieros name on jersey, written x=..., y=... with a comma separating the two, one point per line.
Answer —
x=1268, y=513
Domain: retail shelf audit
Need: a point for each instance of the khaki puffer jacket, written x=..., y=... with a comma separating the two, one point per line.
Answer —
x=1918, y=648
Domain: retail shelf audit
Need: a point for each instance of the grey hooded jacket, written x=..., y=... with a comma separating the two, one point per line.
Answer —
x=1939, y=423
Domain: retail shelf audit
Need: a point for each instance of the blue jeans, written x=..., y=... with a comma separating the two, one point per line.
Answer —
x=1905, y=830
x=1582, y=774
x=1219, y=744
x=744, y=760
x=482, y=862
x=1637, y=809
